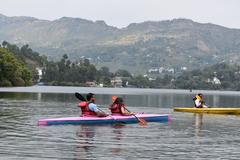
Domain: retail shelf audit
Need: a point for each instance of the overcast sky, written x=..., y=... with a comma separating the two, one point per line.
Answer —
x=121, y=13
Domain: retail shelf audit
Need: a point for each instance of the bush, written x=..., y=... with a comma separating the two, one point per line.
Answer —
x=5, y=83
x=18, y=82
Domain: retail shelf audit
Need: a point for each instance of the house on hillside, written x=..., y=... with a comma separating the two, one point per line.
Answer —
x=215, y=80
x=90, y=84
x=117, y=82
x=40, y=74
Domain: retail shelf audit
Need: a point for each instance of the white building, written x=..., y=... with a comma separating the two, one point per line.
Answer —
x=216, y=80
x=39, y=70
x=117, y=82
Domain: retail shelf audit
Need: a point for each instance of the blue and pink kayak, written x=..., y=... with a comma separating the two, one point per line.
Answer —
x=105, y=120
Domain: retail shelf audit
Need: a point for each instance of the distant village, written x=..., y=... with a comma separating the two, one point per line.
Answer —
x=118, y=81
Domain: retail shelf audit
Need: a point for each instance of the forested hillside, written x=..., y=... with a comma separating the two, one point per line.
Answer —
x=216, y=77
x=18, y=65
x=18, y=68
x=171, y=44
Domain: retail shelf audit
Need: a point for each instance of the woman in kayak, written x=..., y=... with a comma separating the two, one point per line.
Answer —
x=89, y=108
x=198, y=101
x=118, y=107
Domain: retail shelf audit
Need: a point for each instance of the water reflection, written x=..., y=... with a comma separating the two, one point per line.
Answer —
x=215, y=100
x=85, y=145
x=16, y=96
x=117, y=136
x=88, y=140
x=163, y=100
x=198, y=123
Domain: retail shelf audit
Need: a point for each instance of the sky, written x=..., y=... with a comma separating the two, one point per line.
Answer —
x=121, y=13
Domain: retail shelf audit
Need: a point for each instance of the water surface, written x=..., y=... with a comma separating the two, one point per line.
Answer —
x=188, y=136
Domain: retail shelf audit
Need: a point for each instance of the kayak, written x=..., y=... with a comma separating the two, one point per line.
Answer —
x=104, y=120
x=234, y=111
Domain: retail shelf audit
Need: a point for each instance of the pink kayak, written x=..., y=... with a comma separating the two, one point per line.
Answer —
x=105, y=120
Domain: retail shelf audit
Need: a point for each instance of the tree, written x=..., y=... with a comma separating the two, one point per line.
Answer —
x=4, y=43
x=140, y=82
x=122, y=73
x=12, y=71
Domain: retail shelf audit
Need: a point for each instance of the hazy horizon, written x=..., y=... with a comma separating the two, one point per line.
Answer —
x=121, y=13
x=109, y=24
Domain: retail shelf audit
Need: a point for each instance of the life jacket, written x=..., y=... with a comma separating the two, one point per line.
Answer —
x=85, y=109
x=197, y=97
x=116, y=108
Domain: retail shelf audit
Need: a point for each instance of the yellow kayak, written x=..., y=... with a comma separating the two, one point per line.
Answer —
x=209, y=110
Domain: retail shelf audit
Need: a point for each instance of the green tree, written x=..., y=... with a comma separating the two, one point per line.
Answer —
x=122, y=73
x=140, y=82
x=12, y=71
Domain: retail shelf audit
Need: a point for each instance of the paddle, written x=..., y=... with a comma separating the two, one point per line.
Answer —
x=207, y=105
x=140, y=120
x=79, y=96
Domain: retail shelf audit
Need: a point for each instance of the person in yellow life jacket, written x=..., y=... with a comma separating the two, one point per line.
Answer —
x=89, y=108
x=118, y=107
x=199, y=102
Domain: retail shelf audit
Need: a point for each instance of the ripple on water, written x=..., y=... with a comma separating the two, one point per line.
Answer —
x=188, y=136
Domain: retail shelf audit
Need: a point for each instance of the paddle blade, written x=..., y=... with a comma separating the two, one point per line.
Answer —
x=142, y=121
x=79, y=96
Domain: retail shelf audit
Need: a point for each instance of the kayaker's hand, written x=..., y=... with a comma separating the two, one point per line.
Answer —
x=101, y=114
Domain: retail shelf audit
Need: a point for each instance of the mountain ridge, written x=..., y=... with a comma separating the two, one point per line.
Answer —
x=138, y=47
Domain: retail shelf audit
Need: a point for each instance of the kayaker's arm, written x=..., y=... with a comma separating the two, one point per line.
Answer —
x=101, y=114
x=93, y=107
x=125, y=112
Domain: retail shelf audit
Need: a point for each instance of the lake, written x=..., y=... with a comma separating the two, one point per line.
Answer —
x=187, y=136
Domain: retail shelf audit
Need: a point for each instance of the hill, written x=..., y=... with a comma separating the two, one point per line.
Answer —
x=171, y=44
